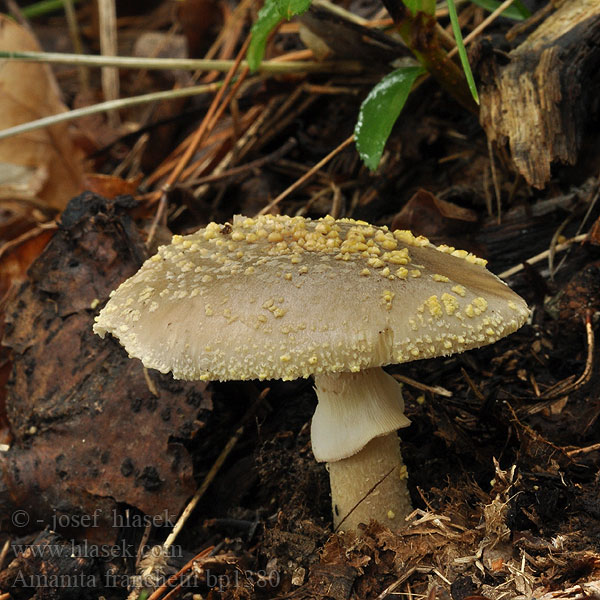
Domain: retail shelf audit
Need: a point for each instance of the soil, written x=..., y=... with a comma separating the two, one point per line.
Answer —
x=101, y=456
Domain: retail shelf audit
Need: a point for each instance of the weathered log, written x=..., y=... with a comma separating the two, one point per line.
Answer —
x=544, y=98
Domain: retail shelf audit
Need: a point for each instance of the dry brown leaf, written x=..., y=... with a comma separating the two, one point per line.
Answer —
x=28, y=91
x=433, y=217
x=16, y=256
x=111, y=186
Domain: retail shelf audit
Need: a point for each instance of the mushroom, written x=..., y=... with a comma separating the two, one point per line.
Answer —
x=279, y=297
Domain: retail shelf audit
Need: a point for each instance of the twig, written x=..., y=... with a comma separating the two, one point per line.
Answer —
x=167, y=164
x=144, y=540
x=434, y=389
x=495, y=180
x=306, y=176
x=243, y=123
x=588, y=212
x=554, y=242
x=131, y=162
x=531, y=22
x=586, y=450
x=425, y=501
x=472, y=385
x=283, y=116
x=28, y=235
x=202, y=489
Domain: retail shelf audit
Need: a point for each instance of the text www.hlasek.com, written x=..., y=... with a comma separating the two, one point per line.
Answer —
x=73, y=549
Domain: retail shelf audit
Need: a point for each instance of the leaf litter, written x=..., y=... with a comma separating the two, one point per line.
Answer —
x=503, y=472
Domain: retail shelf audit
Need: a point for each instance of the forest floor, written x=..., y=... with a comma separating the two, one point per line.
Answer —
x=100, y=457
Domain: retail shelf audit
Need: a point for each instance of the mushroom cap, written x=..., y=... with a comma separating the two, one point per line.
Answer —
x=279, y=297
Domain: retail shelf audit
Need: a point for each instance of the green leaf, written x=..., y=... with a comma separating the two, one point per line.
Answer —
x=379, y=112
x=289, y=8
x=40, y=9
x=517, y=10
x=269, y=16
x=461, y=50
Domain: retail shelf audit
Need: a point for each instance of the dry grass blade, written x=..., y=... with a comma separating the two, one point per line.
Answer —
x=110, y=105
x=280, y=65
x=213, y=114
x=75, y=35
x=393, y=586
x=107, y=13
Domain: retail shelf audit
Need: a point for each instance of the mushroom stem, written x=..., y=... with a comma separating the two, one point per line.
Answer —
x=375, y=478
x=354, y=432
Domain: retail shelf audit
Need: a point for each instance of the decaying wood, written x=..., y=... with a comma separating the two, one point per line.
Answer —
x=543, y=99
x=90, y=428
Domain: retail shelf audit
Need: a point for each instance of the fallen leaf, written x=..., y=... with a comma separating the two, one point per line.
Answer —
x=28, y=91
x=433, y=217
x=91, y=428
x=110, y=186
x=17, y=255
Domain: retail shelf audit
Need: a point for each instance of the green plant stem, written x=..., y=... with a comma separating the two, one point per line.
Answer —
x=39, y=9
x=128, y=62
x=419, y=34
